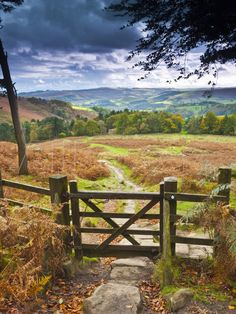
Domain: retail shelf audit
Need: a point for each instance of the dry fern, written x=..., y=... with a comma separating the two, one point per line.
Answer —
x=31, y=252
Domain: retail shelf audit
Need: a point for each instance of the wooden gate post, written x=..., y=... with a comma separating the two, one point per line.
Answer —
x=224, y=179
x=58, y=185
x=170, y=185
x=161, y=215
x=76, y=221
x=1, y=186
x=170, y=206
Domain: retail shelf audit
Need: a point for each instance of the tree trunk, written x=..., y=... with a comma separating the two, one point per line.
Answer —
x=11, y=93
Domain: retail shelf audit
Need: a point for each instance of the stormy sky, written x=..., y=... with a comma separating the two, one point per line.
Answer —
x=76, y=44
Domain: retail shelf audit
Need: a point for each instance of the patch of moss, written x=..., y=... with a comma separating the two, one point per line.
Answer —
x=89, y=260
x=208, y=293
x=168, y=290
x=160, y=270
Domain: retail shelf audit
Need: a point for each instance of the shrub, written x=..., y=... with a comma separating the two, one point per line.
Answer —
x=219, y=221
x=31, y=252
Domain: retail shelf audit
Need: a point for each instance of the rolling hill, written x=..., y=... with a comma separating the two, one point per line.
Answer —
x=187, y=102
x=38, y=109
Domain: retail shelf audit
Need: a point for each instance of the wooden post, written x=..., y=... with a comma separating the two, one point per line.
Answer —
x=58, y=185
x=170, y=185
x=224, y=179
x=161, y=215
x=76, y=222
x=1, y=186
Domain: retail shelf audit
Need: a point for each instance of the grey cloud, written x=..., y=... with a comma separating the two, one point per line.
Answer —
x=81, y=25
x=111, y=58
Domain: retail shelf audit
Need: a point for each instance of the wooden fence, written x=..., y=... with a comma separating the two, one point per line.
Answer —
x=166, y=214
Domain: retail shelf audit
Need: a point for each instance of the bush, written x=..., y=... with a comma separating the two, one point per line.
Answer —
x=31, y=252
x=219, y=221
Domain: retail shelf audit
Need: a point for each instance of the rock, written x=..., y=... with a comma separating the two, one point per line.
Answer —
x=180, y=299
x=130, y=273
x=71, y=268
x=112, y=298
x=131, y=269
x=136, y=262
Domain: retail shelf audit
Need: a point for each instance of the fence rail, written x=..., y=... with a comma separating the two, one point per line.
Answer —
x=21, y=204
x=186, y=197
x=26, y=187
x=115, y=195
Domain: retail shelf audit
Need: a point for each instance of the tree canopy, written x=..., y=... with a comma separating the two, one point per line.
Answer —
x=8, y=5
x=171, y=29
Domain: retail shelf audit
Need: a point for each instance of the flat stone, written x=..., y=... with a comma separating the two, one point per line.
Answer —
x=136, y=262
x=113, y=298
x=182, y=249
x=132, y=273
x=180, y=299
x=133, y=283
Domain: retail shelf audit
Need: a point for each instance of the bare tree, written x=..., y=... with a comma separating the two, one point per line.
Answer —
x=7, y=84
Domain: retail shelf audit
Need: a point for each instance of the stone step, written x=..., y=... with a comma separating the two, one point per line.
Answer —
x=113, y=298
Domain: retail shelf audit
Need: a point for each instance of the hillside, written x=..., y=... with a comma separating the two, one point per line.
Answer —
x=38, y=109
x=187, y=102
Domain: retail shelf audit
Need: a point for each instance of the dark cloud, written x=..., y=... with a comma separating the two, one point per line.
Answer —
x=81, y=25
x=76, y=44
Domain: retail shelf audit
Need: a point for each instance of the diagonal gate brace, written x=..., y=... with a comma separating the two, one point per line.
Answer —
x=127, y=224
x=110, y=221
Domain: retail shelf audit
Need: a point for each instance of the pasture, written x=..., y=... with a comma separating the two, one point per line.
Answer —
x=144, y=159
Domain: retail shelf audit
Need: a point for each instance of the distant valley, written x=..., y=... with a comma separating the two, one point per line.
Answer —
x=186, y=102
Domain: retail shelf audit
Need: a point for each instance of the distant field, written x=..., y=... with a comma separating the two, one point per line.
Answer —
x=82, y=108
x=194, y=160
x=153, y=156
x=146, y=159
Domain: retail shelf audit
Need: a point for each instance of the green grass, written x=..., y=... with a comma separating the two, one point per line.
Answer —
x=126, y=170
x=89, y=260
x=112, y=149
x=82, y=108
x=188, y=137
x=120, y=206
x=185, y=207
x=5, y=117
x=109, y=183
x=206, y=293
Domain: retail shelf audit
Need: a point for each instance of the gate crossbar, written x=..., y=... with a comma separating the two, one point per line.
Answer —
x=128, y=223
x=110, y=221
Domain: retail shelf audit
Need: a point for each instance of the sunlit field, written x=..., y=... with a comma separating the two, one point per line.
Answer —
x=194, y=160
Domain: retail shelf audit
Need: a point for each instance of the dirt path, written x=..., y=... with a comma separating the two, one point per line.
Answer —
x=119, y=174
x=130, y=205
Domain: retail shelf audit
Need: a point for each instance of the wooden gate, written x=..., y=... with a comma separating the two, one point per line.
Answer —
x=166, y=211
x=115, y=230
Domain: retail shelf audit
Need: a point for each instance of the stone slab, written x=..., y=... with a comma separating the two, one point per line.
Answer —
x=132, y=273
x=112, y=298
x=136, y=262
